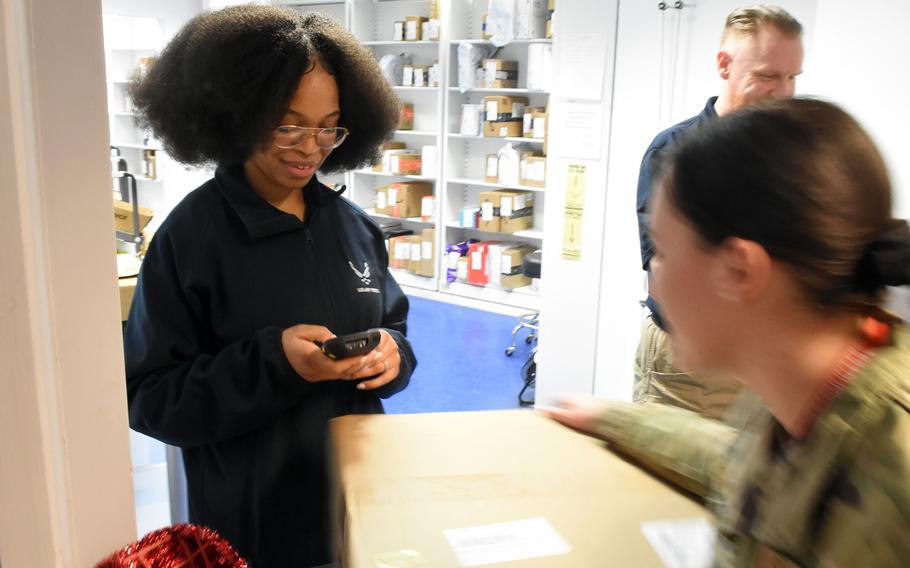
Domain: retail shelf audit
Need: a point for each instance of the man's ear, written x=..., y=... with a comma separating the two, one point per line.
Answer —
x=723, y=64
x=744, y=269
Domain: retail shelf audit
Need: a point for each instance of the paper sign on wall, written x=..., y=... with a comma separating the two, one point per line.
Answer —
x=573, y=212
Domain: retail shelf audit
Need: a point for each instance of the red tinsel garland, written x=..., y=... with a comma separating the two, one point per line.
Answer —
x=179, y=546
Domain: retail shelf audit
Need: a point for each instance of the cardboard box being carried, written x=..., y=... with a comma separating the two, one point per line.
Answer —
x=404, y=198
x=123, y=217
x=394, y=489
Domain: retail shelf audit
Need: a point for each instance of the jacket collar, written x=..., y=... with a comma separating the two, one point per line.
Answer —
x=259, y=217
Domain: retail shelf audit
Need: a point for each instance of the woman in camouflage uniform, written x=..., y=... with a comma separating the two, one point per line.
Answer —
x=775, y=243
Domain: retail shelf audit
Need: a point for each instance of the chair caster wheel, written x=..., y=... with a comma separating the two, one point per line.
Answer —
x=509, y=351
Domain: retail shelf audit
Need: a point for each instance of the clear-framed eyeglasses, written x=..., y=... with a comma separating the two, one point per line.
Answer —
x=326, y=138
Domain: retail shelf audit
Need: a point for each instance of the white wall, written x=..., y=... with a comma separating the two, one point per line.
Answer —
x=862, y=65
x=65, y=483
x=571, y=288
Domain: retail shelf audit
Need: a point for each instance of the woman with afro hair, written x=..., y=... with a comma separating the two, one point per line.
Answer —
x=257, y=267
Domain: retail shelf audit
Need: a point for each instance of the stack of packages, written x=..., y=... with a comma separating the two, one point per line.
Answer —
x=487, y=263
x=414, y=253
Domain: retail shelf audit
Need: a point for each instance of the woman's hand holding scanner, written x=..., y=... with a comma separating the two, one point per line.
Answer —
x=299, y=343
x=383, y=364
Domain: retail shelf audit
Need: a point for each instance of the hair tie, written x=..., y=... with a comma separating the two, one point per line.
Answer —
x=886, y=261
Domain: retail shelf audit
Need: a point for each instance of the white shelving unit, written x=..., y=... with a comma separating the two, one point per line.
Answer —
x=458, y=177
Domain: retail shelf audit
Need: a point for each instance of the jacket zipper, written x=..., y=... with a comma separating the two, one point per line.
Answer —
x=330, y=300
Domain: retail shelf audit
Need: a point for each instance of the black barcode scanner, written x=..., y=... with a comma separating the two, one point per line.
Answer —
x=351, y=345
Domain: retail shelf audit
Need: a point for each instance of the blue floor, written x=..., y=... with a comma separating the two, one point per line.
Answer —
x=461, y=364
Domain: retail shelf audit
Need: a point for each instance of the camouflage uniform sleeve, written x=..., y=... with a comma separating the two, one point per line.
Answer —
x=678, y=445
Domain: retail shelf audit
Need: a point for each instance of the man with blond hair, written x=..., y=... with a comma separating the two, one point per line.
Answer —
x=760, y=56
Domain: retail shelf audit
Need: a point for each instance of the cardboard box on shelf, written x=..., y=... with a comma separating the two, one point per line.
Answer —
x=433, y=9
x=477, y=263
x=489, y=211
x=399, y=251
x=539, y=120
x=394, y=489
x=406, y=117
x=427, y=258
x=405, y=163
x=386, y=151
x=461, y=269
x=430, y=29
x=551, y=4
x=421, y=75
x=414, y=241
x=550, y=27
x=510, y=264
x=535, y=172
x=428, y=208
x=500, y=74
x=123, y=217
x=435, y=75
x=504, y=107
x=397, y=31
x=516, y=211
x=413, y=28
x=471, y=120
x=530, y=19
x=491, y=168
x=380, y=199
x=527, y=125
x=404, y=198
x=503, y=128
x=468, y=217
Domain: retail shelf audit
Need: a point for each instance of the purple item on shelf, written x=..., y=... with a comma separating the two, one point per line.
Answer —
x=453, y=253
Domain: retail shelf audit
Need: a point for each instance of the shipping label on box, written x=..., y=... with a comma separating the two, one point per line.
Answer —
x=500, y=74
x=539, y=125
x=504, y=107
x=435, y=76
x=430, y=30
x=405, y=198
x=428, y=208
x=461, y=268
x=491, y=168
x=397, y=31
x=413, y=28
x=477, y=266
x=535, y=172
x=380, y=199
x=414, y=260
x=421, y=75
x=427, y=258
x=404, y=164
x=407, y=77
